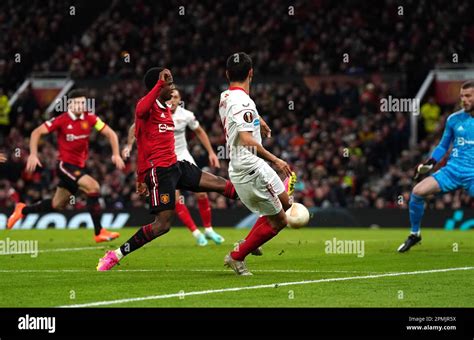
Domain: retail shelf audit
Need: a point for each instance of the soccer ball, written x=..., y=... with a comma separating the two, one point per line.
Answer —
x=297, y=216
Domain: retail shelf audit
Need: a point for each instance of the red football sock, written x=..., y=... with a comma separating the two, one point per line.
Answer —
x=183, y=214
x=255, y=239
x=259, y=221
x=205, y=211
x=229, y=190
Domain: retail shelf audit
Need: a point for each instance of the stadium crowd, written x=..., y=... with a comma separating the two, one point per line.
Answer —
x=345, y=150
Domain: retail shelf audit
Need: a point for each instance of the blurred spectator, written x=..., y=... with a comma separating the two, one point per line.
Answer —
x=430, y=111
x=4, y=115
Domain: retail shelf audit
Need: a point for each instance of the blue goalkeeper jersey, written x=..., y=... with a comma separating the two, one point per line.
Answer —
x=459, y=130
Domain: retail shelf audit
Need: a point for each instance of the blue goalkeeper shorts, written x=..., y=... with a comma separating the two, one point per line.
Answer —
x=451, y=178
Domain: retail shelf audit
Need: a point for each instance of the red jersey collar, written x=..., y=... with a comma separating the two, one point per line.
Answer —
x=231, y=88
x=74, y=117
x=161, y=106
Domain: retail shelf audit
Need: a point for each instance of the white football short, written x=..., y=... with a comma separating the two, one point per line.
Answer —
x=260, y=193
x=185, y=156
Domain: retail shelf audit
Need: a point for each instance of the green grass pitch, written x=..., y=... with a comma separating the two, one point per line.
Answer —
x=295, y=271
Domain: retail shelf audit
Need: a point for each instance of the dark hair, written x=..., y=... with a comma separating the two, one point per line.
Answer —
x=151, y=77
x=468, y=84
x=238, y=66
x=77, y=93
x=177, y=90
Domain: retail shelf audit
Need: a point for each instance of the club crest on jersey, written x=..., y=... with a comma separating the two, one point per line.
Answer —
x=165, y=198
x=85, y=125
x=248, y=116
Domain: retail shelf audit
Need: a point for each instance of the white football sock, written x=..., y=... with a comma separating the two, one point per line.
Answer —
x=118, y=253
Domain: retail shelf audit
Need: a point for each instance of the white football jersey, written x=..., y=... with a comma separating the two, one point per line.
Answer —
x=239, y=113
x=182, y=118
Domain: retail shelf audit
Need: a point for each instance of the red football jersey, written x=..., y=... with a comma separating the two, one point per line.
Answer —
x=73, y=135
x=142, y=164
x=156, y=142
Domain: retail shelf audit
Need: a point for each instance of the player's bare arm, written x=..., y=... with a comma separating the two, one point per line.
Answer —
x=33, y=160
x=113, y=139
x=246, y=139
x=265, y=130
x=204, y=139
x=3, y=158
x=130, y=141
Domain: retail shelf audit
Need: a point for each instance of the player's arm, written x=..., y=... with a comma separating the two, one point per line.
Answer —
x=3, y=158
x=438, y=153
x=265, y=130
x=33, y=160
x=246, y=139
x=130, y=141
x=145, y=104
x=204, y=139
x=114, y=144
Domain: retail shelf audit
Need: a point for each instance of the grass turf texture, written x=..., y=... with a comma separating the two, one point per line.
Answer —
x=174, y=264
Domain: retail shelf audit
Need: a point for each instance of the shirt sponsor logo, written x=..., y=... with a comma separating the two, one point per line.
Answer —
x=71, y=138
x=165, y=127
x=462, y=141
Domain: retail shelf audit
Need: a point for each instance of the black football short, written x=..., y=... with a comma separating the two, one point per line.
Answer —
x=68, y=175
x=162, y=183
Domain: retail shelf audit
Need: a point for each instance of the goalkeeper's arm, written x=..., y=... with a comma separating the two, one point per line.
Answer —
x=438, y=152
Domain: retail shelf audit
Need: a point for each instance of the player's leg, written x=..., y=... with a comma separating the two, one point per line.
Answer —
x=209, y=182
x=21, y=210
x=183, y=214
x=286, y=201
x=263, y=194
x=440, y=181
x=162, y=186
x=91, y=188
x=206, y=218
x=66, y=187
x=160, y=226
x=61, y=198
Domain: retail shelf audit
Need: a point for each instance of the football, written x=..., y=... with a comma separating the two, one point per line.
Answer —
x=297, y=216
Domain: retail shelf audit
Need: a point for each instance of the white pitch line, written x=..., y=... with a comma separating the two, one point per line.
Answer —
x=178, y=270
x=69, y=249
x=51, y=250
x=273, y=285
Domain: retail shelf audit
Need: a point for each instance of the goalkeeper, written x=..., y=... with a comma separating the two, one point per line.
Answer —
x=459, y=170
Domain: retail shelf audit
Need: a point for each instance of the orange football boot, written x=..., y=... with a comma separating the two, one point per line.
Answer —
x=16, y=215
x=106, y=236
